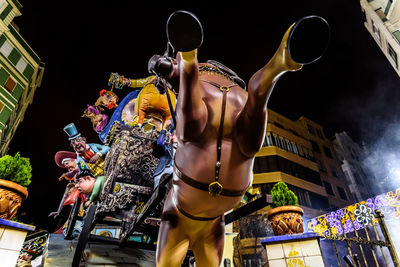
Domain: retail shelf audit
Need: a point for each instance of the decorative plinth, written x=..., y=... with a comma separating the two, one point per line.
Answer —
x=12, y=237
x=293, y=250
x=59, y=253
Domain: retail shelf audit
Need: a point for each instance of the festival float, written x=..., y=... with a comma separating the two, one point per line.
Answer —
x=196, y=126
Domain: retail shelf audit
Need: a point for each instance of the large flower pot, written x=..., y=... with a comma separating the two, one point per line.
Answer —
x=286, y=220
x=11, y=196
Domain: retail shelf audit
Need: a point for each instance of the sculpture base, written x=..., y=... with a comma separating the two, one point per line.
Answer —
x=11, y=240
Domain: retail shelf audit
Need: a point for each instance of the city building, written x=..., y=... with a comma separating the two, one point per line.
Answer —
x=299, y=154
x=21, y=72
x=382, y=20
x=349, y=154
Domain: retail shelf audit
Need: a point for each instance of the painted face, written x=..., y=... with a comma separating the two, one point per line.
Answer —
x=86, y=184
x=69, y=164
x=79, y=144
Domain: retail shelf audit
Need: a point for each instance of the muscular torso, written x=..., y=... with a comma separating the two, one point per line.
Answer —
x=197, y=158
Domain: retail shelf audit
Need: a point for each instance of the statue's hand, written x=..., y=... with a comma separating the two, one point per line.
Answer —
x=94, y=158
x=87, y=203
x=61, y=177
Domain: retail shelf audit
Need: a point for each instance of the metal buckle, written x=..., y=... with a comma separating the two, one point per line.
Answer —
x=224, y=87
x=215, y=188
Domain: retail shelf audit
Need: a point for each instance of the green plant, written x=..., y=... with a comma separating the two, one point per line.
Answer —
x=16, y=169
x=282, y=196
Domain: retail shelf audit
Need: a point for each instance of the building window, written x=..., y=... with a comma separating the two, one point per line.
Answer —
x=328, y=188
x=293, y=132
x=328, y=152
x=21, y=65
x=376, y=31
x=389, y=4
x=358, y=179
x=276, y=163
x=10, y=84
x=396, y=35
x=319, y=133
x=321, y=166
x=278, y=125
x=342, y=193
x=315, y=146
x=311, y=129
x=392, y=54
x=6, y=48
x=334, y=172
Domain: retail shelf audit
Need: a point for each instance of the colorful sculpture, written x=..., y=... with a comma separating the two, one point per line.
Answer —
x=66, y=160
x=89, y=156
x=220, y=128
x=107, y=99
x=149, y=107
x=99, y=120
x=90, y=186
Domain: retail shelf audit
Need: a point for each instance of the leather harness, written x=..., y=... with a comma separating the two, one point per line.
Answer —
x=214, y=188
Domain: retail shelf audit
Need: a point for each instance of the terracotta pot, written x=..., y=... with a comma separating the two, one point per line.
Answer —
x=286, y=220
x=11, y=196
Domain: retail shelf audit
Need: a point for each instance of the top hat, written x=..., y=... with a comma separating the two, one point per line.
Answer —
x=72, y=132
x=61, y=155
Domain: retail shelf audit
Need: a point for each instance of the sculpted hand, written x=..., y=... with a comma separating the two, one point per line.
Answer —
x=87, y=203
x=94, y=158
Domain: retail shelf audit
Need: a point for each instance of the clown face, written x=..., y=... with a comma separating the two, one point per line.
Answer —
x=79, y=144
x=86, y=184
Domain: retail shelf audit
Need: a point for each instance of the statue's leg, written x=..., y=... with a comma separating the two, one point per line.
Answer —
x=185, y=34
x=209, y=246
x=172, y=243
x=261, y=84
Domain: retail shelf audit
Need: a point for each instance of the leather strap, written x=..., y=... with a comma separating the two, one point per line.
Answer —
x=215, y=188
x=204, y=186
x=196, y=218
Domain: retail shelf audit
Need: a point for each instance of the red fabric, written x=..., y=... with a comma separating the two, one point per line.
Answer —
x=88, y=154
x=71, y=197
x=59, y=231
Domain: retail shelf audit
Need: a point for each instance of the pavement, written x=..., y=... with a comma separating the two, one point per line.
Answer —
x=59, y=253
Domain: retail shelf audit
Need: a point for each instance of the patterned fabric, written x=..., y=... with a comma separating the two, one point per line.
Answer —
x=96, y=168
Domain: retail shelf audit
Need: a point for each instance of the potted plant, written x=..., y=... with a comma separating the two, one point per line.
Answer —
x=285, y=215
x=15, y=176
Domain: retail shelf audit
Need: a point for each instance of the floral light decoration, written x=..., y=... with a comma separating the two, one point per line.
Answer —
x=355, y=216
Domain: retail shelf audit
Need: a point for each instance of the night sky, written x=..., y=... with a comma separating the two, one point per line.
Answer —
x=352, y=88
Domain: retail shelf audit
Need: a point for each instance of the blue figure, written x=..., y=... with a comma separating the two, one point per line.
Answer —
x=89, y=156
x=164, y=149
